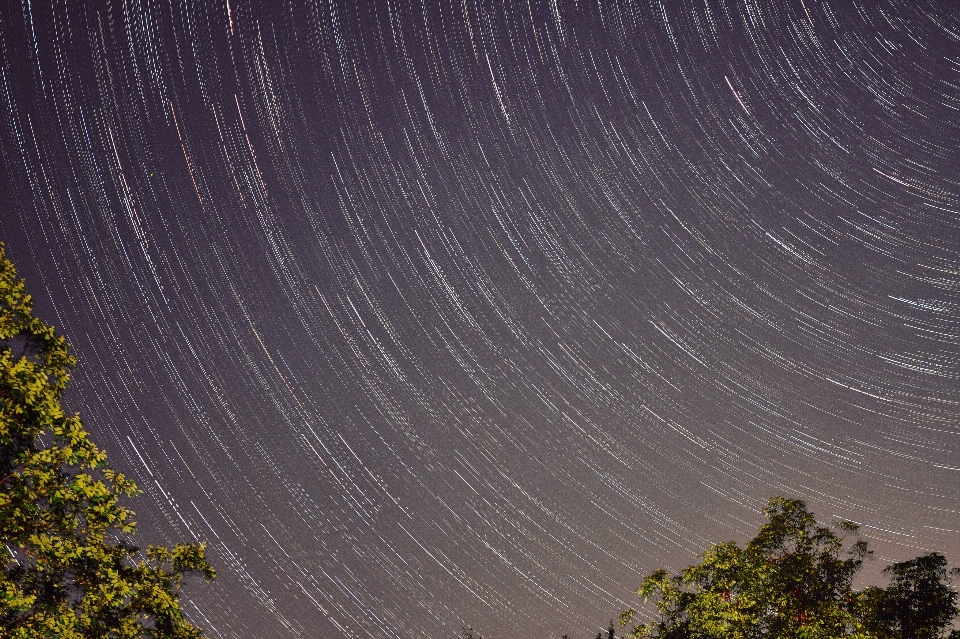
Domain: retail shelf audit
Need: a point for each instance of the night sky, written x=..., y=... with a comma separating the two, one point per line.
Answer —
x=473, y=312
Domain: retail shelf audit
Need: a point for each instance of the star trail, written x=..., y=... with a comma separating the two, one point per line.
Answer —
x=474, y=312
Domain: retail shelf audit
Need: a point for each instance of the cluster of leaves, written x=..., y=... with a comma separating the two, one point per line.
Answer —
x=71, y=571
x=794, y=580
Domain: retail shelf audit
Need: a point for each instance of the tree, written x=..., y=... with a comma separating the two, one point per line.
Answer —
x=794, y=580
x=917, y=603
x=72, y=571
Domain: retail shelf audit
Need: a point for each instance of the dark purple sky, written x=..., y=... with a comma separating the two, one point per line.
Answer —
x=474, y=313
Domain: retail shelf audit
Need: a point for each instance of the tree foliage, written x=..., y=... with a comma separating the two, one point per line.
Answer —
x=918, y=603
x=71, y=570
x=794, y=580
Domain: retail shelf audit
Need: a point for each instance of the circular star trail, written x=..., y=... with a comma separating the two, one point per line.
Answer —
x=472, y=312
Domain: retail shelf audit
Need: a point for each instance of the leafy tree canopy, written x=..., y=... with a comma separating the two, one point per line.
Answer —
x=71, y=571
x=794, y=580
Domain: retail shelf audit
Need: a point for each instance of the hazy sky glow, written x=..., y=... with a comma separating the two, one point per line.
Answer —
x=474, y=312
